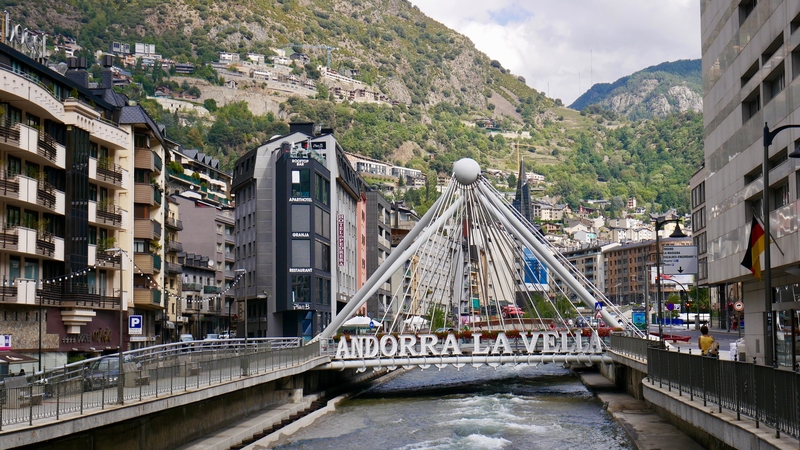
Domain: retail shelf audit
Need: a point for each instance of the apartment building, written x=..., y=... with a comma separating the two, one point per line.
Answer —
x=751, y=62
x=81, y=171
x=379, y=246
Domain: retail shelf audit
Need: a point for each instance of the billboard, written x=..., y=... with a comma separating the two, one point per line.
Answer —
x=535, y=275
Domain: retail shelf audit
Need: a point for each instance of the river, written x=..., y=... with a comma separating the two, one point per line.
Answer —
x=522, y=407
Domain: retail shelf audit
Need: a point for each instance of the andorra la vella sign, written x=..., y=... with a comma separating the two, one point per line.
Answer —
x=410, y=345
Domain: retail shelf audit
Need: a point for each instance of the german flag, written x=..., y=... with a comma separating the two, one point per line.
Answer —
x=752, y=257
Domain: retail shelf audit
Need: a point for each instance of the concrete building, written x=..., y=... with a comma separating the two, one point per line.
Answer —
x=751, y=60
x=78, y=181
x=379, y=245
x=301, y=224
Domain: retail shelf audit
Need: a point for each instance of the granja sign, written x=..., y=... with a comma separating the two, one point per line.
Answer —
x=409, y=345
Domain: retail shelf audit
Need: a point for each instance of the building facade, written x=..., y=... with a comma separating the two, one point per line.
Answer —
x=750, y=62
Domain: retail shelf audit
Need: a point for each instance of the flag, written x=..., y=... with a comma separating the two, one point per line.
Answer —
x=752, y=257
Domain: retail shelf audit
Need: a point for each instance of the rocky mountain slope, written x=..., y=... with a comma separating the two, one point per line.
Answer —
x=652, y=92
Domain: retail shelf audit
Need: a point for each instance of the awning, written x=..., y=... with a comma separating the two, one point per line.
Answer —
x=7, y=357
x=170, y=325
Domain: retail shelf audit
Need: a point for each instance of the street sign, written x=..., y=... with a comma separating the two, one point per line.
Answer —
x=739, y=306
x=598, y=306
x=134, y=324
x=679, y=259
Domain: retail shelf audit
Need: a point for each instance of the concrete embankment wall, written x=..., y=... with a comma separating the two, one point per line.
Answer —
x=705, y=425
x=170, y=422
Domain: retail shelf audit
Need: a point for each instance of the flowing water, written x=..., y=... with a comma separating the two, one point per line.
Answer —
x=544, y=407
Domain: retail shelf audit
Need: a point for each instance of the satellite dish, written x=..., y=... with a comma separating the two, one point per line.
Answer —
x=211, y=263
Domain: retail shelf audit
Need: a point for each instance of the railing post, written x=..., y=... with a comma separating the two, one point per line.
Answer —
x=691, y=370
x=140, y=384
x=30, y=404
x=58, y=399
x=775, y=406
x=719, y=385
x=703, y=380
x=83, y=377
x=185, y=375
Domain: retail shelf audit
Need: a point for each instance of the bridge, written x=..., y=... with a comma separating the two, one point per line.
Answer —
x=475, y=291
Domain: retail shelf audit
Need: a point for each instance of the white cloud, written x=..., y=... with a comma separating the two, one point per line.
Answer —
x=569, y=44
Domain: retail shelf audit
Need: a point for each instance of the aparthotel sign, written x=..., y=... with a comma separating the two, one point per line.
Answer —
x=409, y=345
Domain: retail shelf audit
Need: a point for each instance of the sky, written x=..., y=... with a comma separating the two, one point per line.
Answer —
x=562, y=47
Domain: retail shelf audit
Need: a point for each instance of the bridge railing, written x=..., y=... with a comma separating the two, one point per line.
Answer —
x=148, y=373
x=630, y=346
x=764, y=394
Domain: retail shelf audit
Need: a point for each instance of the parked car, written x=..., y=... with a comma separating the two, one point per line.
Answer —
x=102, y=373
x=512, y=311
x=186, y=338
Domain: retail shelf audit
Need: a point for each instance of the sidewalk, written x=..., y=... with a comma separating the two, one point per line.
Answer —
x=646, y=429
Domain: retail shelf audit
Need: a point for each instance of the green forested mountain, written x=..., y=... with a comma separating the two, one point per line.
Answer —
x=444, y=87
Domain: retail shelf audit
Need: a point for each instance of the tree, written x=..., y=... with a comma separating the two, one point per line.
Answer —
x=210, y=104
x=512, y=181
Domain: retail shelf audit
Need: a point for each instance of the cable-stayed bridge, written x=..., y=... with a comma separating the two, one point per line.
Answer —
x=473, y=292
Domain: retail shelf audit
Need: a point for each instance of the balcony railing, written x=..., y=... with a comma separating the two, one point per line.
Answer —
x=48, y=147
x=146, y=297
x=174, y=246
x=211, y=290
x=174, y=268
x=174, y=223
x=46, y=195
x=109, y=213
x=70, y=293
x=108, y=171
x=192, y=287
x=45, y=244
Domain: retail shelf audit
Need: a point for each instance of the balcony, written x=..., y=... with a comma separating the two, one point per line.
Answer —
x=174, y=223
x=174, y=246
x=68, y=293
x=229, y=256
x=229, y=239
x=23, y=292
x=9, y=185
x=225, y=217
x=109, y=213
x=146, y=229
x=144, y=193
x=192, y=287
x=211, y=290
x=147, y=298
x=157, y=196
x=146, y=159
x=147, y=263
x=107, y=172
x=174, y=268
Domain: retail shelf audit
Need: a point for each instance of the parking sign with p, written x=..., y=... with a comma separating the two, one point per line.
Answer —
x=135, y=324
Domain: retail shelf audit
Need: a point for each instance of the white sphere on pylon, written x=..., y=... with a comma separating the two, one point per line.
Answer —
x=466, y=171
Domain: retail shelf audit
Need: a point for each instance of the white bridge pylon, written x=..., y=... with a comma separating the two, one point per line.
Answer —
x=474, y=266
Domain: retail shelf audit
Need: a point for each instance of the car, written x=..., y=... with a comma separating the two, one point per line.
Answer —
x=212, y=336
x=186, y=338
x=102, y=373
x=512, y=311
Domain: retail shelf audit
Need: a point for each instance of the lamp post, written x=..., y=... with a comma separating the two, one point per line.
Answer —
x=121, y=376
x=769, y=340
x=677, y=233
x=245, y=303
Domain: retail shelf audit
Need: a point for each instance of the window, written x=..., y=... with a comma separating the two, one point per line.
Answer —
x=322, y=188
x=774, y=83
x=745, y=9
x=699, y=194
x=301, y=253
x=780, y=196
x=753, y=208
x=771, y=49
x=322, y=223
x=13, y=217
x=141, y=211
x=322, y=256
x=14, y=165
x=140, y=246
x=301, y=218
x=141, y=176
x=699, y=219
x=301, y=183
x=141, y=141
x=92, y=235
x=301, y=288
x=31, y=269
x=751, y=105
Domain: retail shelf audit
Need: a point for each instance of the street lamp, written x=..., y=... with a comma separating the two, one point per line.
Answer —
x=245, y=304
x=769, y=341
x=121, y=377
x=675, y=234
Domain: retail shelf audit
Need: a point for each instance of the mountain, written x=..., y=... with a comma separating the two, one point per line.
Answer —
x=652, y=92
x=449, y=100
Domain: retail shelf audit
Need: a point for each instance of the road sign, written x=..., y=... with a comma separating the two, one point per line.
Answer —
x=679, y=259
x=598, y=306
x=739, y=306
x=134, y=324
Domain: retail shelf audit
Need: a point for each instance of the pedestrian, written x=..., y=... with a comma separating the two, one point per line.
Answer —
x=706, y=340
